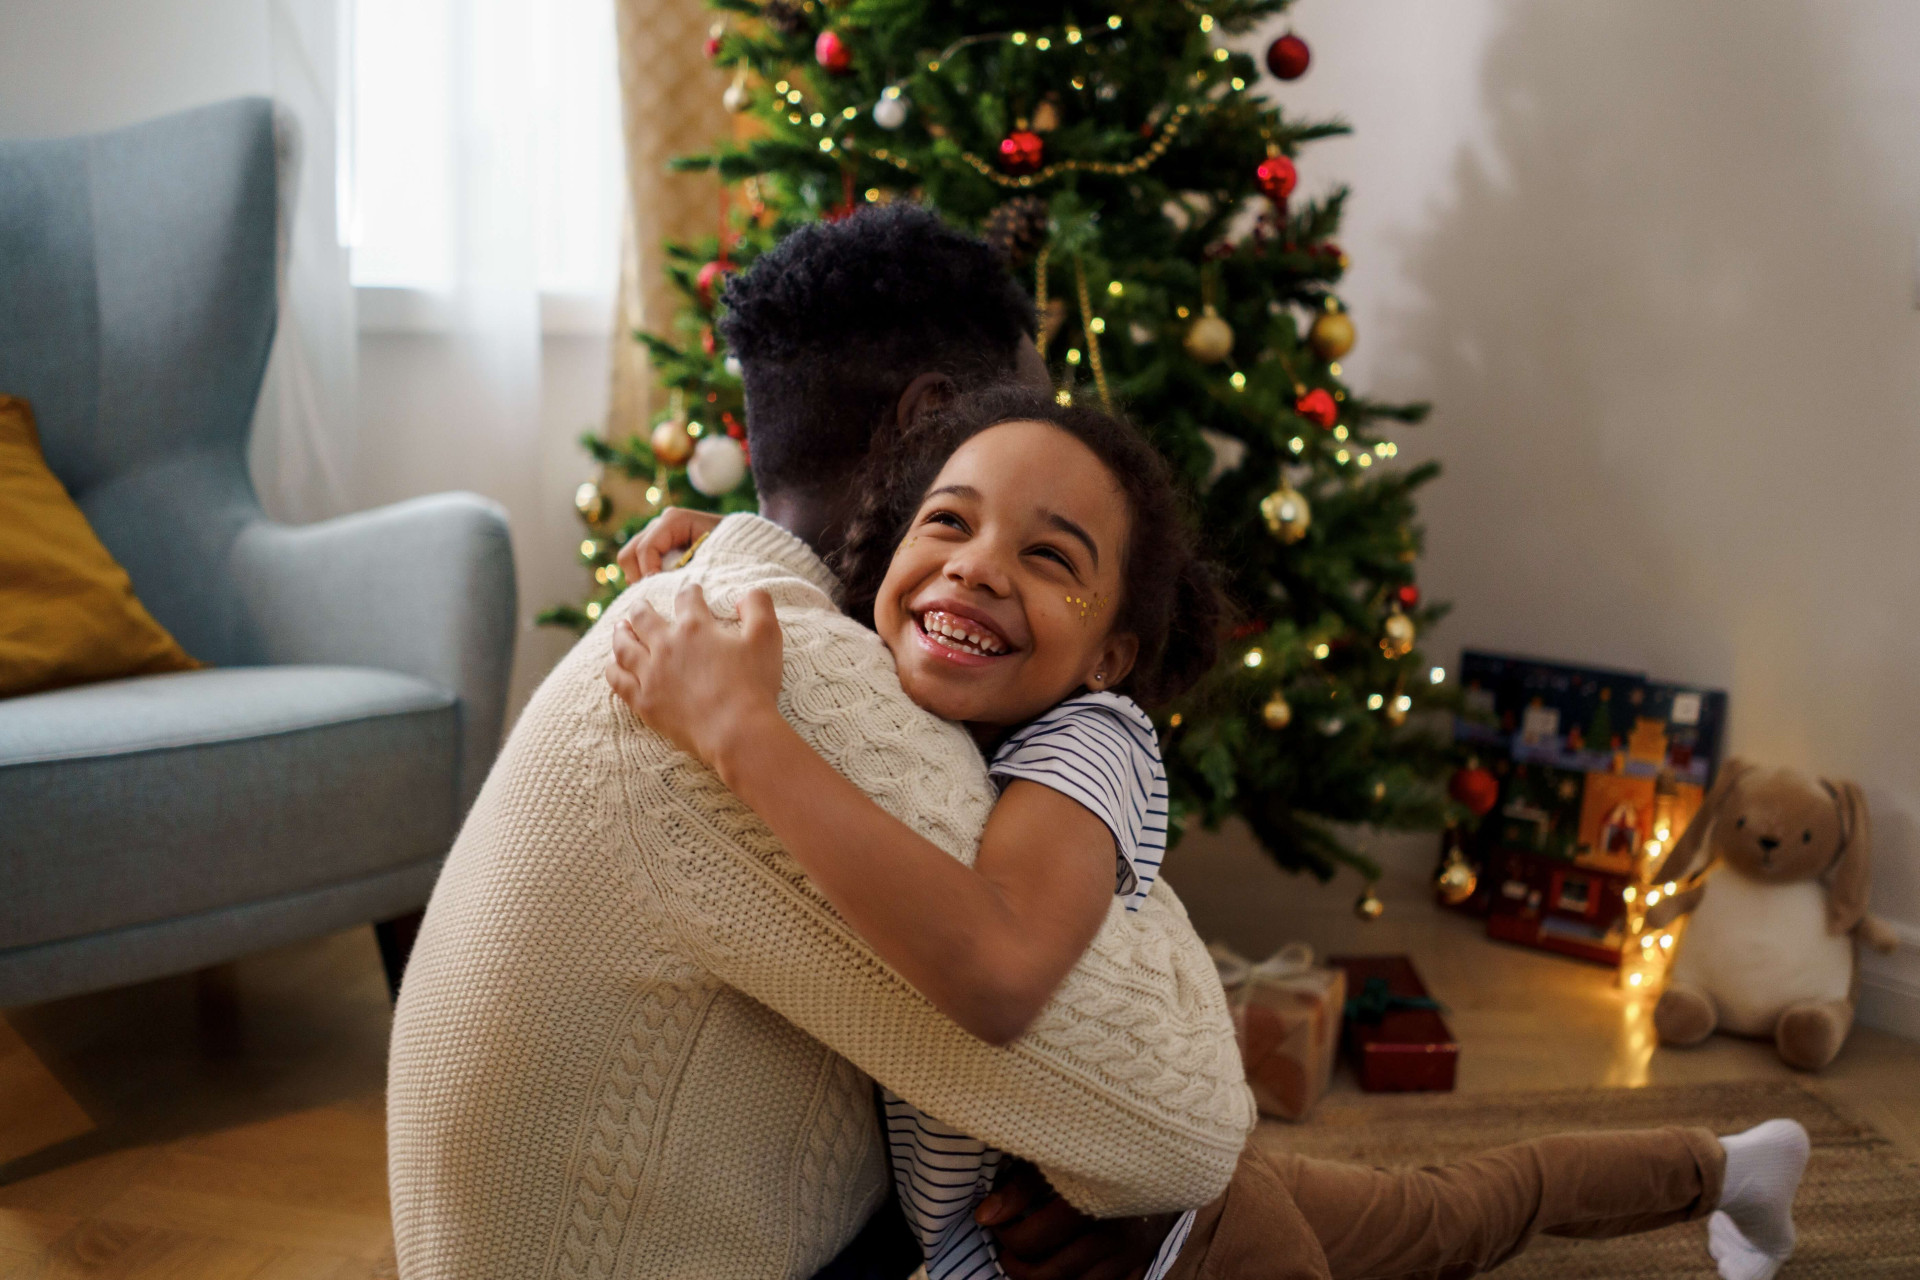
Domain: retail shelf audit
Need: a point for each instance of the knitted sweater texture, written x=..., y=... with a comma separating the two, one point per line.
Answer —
x=635, y=1041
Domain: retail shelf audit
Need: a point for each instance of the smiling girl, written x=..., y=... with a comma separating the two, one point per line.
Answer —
x=1029, y=568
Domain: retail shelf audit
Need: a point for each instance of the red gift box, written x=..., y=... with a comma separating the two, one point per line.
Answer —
x=1407, y=1049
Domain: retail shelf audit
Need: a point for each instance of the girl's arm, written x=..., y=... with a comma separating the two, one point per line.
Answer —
x=987, y=944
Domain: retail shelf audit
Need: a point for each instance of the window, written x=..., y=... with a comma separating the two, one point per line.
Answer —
x=429, y=77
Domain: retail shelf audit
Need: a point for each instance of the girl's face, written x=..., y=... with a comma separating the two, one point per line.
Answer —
x=1001, y=599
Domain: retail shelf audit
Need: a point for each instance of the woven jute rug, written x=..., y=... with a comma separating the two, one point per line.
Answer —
x=1858, y=1211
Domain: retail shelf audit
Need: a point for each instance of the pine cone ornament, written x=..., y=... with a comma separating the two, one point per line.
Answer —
x=1018, y=228
x=785, y=17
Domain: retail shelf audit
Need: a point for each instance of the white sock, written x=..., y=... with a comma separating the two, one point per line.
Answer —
x=1751, y=1233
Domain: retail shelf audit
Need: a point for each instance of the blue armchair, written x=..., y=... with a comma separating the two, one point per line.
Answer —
x=314, y=776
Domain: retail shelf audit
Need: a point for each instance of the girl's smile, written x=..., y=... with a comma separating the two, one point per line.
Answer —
x=995, y=602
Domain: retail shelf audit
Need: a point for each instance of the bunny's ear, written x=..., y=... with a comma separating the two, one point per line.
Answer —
x=1689, y=852
x=1848, y=877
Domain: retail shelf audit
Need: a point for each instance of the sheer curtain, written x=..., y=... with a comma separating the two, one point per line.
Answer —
x=304, y=441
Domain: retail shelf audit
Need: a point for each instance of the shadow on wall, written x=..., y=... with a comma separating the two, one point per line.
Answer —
x=1669, y=327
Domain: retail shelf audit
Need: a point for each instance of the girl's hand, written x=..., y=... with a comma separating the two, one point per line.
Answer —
x=665, y=538
x=700, y=683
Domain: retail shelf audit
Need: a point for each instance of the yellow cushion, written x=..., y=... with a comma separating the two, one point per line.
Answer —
x=68, y=614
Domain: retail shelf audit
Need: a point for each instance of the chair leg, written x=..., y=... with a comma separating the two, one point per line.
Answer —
x=396, y=937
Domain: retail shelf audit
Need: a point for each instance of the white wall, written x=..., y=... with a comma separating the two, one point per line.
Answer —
x=1655, y=266
x=71, y=66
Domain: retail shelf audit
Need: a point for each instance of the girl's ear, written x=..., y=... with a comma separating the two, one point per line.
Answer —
x=1113, y=661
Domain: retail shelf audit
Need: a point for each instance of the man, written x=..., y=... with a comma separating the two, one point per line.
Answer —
x=632, y=1038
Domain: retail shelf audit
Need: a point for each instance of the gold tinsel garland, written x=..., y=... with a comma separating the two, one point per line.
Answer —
x=1139, y=164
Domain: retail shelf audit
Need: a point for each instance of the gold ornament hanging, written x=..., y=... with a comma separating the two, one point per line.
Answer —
x=672, y=442
x=1368, y=905
x=1332, y=335
x=1396, y=639
x=593, y=505
x=1210, y=339
x=1276, y=714
x=1287, y=513
x=1456, y=880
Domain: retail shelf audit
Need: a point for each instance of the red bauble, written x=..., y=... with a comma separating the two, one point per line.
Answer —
x=1408, y=596
x=712, y=47
x=1475, y=788
x=1288, y=57
x=1277, y=177
x=1022, y=151
x=1318, y=407
x=703, y=284
x=831, y=52
x=707, y=343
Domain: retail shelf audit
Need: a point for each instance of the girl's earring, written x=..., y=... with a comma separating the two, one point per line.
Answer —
x=1099, y=677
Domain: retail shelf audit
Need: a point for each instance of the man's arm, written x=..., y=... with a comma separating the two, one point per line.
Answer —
x=1127, y=1091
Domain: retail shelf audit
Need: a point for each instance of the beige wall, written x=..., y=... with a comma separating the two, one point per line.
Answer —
x=1655, y=265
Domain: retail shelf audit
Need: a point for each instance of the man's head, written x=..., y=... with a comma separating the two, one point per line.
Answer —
x=847, y=327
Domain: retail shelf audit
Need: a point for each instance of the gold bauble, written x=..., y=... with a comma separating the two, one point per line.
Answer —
x=593, y=505
x=1332, y=335
x=1368, y=905
x=672, y=442
x=1046, y=117
x=1396, y=640
x=1287, y=514
x=1276, y=714
x=1457, y=880
x=1210, y=339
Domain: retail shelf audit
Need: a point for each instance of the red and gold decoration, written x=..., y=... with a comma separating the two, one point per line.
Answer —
x=1318, y=407
x=1397, y=635
x=709, y=276
x=1209, y=338
x=1277, y=178
x=1288, y=57
x=1275, y=712
x=1287, y=513
x=1331, y=336
x=1022, y=152
x=672, y=442
x=1476, y=788
x=832, y=53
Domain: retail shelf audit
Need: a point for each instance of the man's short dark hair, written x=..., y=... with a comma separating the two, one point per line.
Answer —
x=833, y=322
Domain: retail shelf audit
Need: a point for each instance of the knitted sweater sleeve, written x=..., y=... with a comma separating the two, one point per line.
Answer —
x=1127, y=1091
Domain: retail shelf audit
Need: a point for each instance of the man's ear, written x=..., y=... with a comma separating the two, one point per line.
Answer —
x=927, y=392
x=1114, y=660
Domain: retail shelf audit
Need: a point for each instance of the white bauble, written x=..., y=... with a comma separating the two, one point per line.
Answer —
x=732, y=365
x=718, y=465
x=890, y=113
x=736, y=98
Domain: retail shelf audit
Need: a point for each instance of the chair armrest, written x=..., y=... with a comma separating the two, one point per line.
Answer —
x=423, y=587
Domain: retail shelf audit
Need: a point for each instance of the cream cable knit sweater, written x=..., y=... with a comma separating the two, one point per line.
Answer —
x=632, y=1036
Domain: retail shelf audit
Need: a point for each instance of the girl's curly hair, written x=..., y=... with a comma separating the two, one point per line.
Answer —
x=1170, y=598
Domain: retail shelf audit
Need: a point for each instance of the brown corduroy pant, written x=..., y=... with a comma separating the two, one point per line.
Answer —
x=1286, y=1217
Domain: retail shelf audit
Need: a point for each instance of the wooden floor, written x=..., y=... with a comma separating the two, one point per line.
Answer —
x=229, y=1124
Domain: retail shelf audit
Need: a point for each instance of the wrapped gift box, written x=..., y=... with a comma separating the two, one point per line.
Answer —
x=1395, y=1035
x=1286, y=1013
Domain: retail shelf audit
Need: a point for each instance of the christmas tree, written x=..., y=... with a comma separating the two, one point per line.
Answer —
x=1139, y=176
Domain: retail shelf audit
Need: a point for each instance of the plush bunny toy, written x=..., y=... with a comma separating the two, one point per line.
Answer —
x=1770, y=947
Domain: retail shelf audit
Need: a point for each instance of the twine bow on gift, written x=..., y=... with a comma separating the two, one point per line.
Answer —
x=1376, y=1000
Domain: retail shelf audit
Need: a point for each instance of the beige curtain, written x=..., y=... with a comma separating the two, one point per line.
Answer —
x=670, y=104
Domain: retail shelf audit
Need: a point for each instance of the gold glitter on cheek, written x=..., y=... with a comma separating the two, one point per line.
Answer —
x=1089, y=606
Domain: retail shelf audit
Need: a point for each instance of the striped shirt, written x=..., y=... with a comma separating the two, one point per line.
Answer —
x=1101, y=750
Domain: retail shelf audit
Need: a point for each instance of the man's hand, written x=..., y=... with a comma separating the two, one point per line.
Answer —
x=699, y=683
x=1042, y=1237
x=667, y=535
